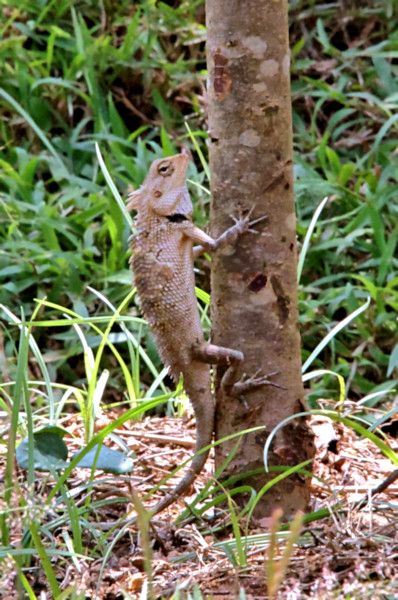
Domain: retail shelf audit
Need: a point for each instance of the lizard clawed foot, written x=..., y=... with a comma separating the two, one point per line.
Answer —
x=255, y=223
x=243, y=224
x=246, y=384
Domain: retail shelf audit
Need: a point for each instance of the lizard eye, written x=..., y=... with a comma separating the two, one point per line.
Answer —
x=165, y=169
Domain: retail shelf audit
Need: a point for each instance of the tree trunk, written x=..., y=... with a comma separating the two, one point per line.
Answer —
x=254, y=288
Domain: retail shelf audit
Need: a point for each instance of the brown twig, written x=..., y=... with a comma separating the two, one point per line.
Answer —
x=379, y=489
x=123, y=98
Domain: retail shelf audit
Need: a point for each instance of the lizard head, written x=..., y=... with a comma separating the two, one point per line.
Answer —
x=164, y=190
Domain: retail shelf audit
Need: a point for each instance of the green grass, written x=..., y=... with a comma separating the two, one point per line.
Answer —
x=344, y=99
x=69, y=79
x=126, y=76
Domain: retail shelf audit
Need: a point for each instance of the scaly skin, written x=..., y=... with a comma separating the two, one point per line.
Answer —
x=162, y=262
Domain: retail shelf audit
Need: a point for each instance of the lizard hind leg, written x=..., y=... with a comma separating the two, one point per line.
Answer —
x=197, y=386
x=219, y=355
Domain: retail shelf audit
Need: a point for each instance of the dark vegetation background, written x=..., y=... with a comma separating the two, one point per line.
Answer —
x=126, y=75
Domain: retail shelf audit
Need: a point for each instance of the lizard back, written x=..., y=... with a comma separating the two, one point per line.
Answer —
x=162, y=263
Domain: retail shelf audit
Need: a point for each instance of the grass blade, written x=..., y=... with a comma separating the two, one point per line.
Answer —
x=36, y=129
x=113, y=188
x=333, y=333
x=307, y=238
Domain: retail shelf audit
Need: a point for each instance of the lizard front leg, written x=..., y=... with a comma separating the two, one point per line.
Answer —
x=207, y=243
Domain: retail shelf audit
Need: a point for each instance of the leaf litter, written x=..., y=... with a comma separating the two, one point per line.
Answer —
x=352, y=553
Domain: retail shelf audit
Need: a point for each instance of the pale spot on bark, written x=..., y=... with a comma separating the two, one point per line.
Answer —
x=260, y=87
x=233, y=52
x=290, y=221
x=266, y=296
x=269, y=68
x=256, y=45
x=286, y=65
x=249, y=138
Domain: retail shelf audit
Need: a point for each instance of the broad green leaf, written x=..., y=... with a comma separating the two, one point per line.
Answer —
x=49, y=452
x=110, y=461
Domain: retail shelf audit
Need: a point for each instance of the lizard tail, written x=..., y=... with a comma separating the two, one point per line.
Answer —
x=197, y=465
x=203, y=405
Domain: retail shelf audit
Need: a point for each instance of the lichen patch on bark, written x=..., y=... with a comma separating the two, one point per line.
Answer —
x=249, y=138
x=269, y=67
x=286, y=64
x=264, y=297
x=290, y=222
x=260, y=87
x=256, y=44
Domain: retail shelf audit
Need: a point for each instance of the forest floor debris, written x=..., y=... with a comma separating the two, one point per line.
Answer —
x=353, y=553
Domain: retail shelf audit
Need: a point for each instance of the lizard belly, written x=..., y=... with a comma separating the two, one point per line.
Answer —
x=166, y=289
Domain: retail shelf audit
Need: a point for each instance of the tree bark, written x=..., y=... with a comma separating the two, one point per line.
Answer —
x=254, y=284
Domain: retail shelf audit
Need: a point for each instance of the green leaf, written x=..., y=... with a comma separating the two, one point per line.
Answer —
x=297, y=47
x=393, y=362
x=386, y=75
x=334, y=161
x=370, y=286
x=345, y=173
x=167, y=146
x=49, y=450
x=323, y=38
x=378, y=228
x=117, y=124
x=230, y=554
x=110, y=461
x=59, y=431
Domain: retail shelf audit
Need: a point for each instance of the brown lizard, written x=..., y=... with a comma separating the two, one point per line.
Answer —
x=162, y=263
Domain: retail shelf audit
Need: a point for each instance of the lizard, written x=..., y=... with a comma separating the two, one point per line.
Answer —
x=162, y=262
